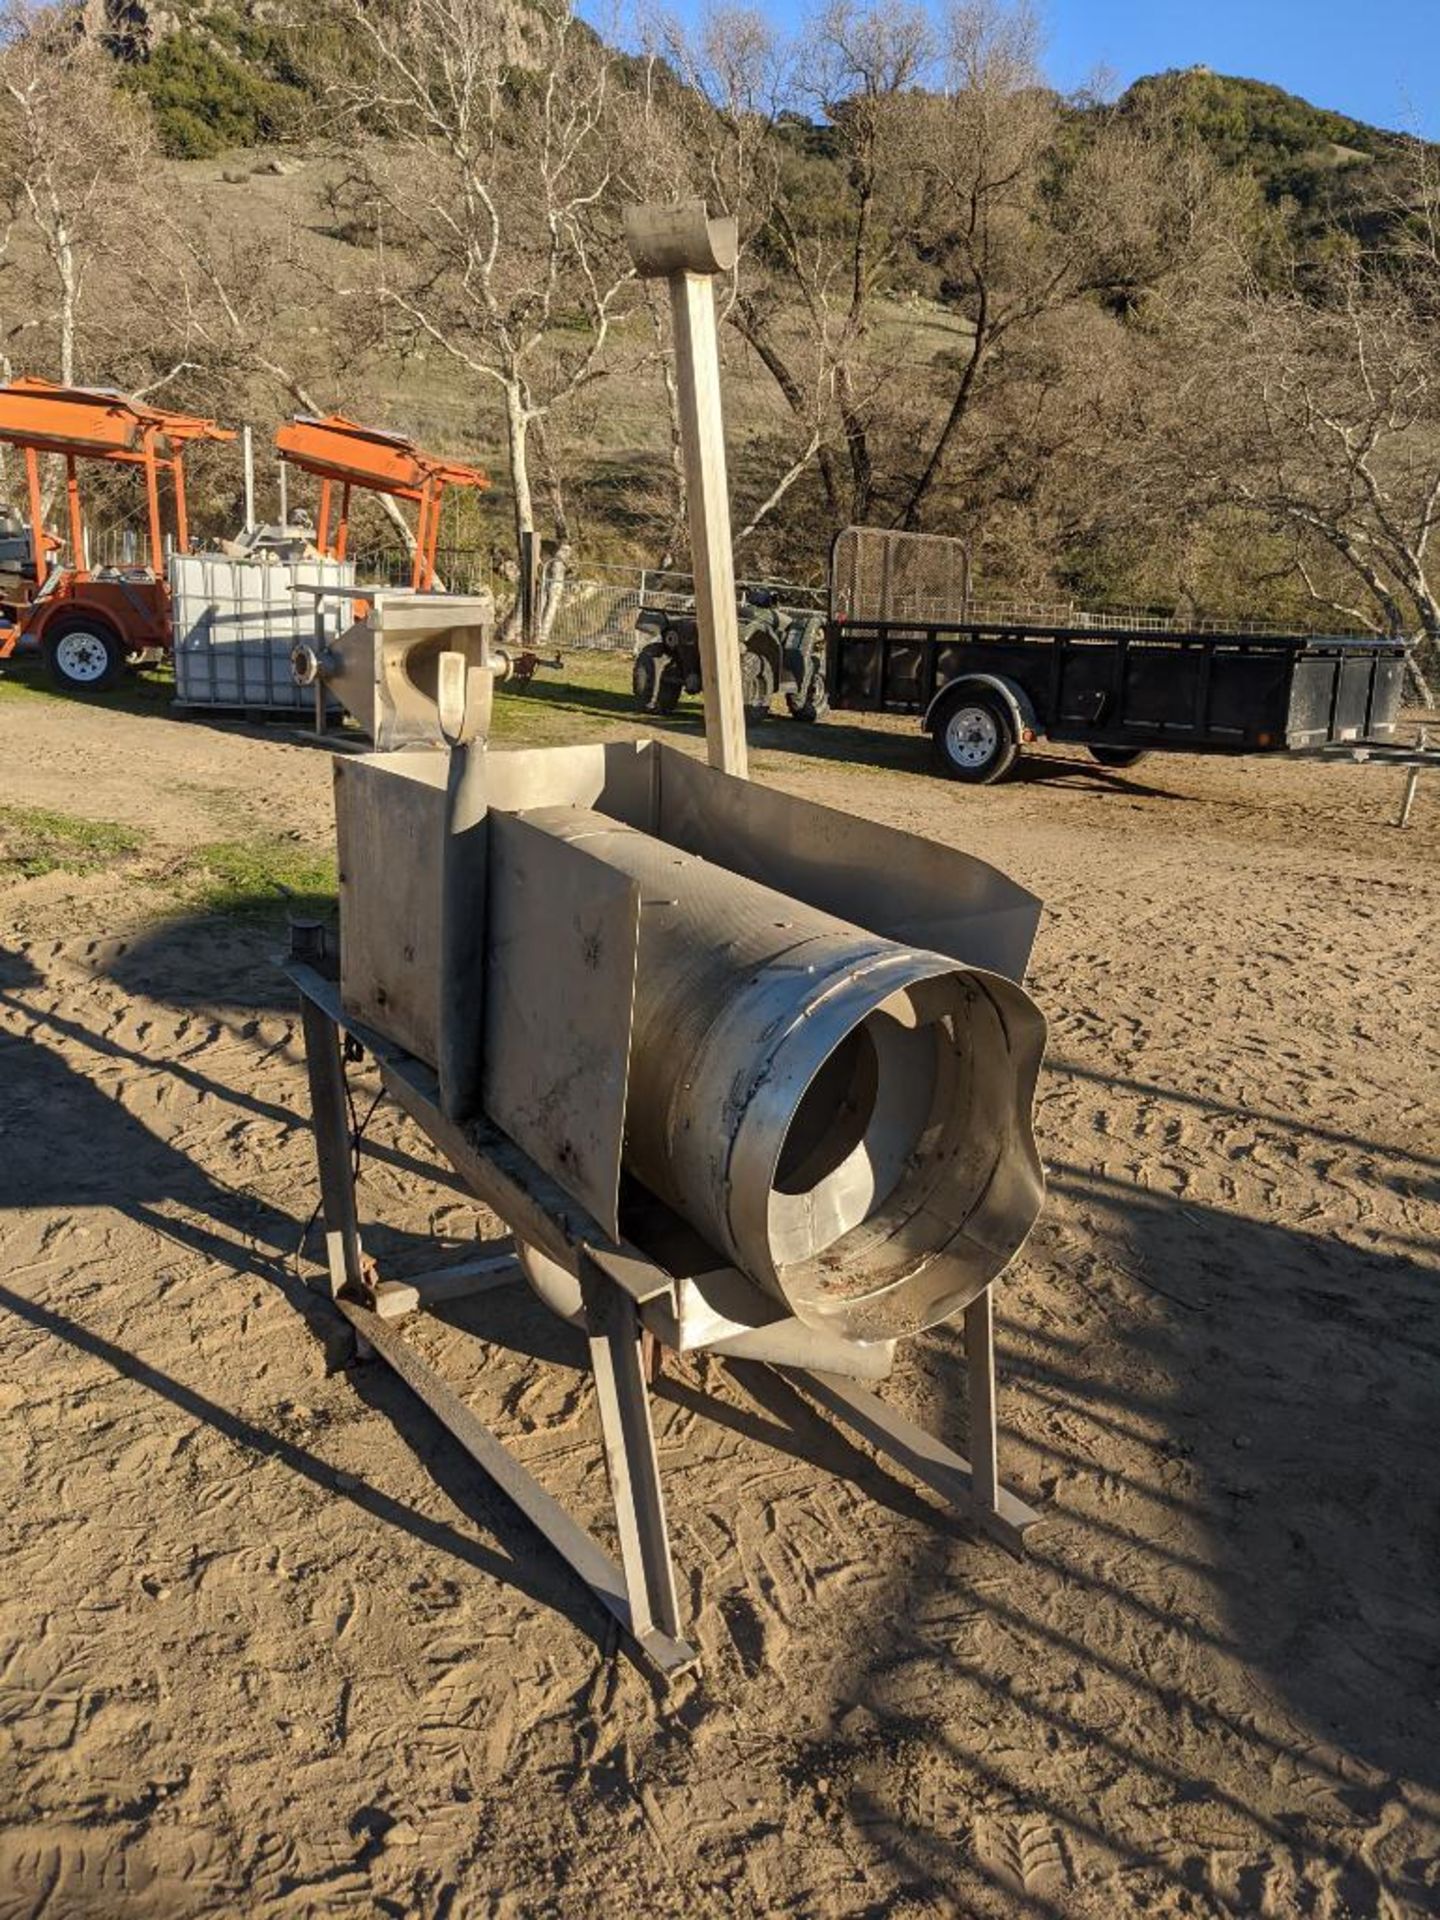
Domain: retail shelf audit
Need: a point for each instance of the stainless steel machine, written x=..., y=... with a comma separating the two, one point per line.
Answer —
x=773, y=1101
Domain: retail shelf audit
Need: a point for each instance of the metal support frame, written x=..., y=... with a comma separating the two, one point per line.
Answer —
x=971, y=1486
x=344, y=1260
x=640, y=1591
x=618, y=1363
x=1416, y=757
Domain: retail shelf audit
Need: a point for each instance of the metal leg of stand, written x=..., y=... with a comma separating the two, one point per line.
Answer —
x=971, y=1486
x=1412, y=781
x=666, y=1653
x=326, y=1072
x=615, y=1354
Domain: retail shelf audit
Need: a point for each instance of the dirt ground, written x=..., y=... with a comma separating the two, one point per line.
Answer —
x=270, y=1645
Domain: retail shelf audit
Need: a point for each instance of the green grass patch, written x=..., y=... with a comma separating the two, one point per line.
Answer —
x=259, y=878
x=37, y=840
x=589, y=695
x=149, y=691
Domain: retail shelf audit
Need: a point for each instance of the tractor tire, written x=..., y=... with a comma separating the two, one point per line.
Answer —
x=646, y=675
x=813, y=705
x=757, y=686
x=672, y=685
x=83, y=653
x=975, y=739
x=1116, y=757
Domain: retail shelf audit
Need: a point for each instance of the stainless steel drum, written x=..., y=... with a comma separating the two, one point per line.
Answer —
x=845, y=1118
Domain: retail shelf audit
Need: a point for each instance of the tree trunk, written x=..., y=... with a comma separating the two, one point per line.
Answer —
x=753, y=336
x=517, y=449
x=909, y=519
x=862, y=479
x=65, y=265
x=1424, y=656
x=553, y=593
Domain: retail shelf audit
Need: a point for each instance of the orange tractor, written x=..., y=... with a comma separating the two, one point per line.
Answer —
x=88, y=622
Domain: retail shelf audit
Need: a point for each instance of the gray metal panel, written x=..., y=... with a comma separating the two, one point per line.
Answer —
x=889, y=882
x=235, y=622
x=390, y=826
x=617, y=779
x=561, y=936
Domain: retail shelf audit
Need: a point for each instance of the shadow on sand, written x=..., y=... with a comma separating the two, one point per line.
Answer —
x=1321, y=1566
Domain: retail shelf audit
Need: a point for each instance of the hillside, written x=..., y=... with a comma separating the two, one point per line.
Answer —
x=222, y=74
x=1318, y=167
x=1087, y=338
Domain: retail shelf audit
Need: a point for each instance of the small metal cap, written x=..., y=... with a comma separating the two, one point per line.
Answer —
x=681, y=238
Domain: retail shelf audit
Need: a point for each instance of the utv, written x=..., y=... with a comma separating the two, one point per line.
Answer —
x=781, y=651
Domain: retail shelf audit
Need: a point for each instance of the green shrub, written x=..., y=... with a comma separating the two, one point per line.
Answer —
x=204, y=101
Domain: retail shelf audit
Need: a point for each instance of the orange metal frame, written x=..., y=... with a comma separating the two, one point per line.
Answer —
x=338, y=452
x=96, y=423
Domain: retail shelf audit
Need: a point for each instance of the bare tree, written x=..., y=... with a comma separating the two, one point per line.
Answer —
x=75, y=159
x=824, y=261
x=1315, y=412
x=981, y=145
x=495, y=175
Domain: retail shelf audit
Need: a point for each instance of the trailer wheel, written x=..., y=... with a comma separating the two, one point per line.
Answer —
x=1116, y=756
x=975, y=739
x=84, y=654
x=757, y=685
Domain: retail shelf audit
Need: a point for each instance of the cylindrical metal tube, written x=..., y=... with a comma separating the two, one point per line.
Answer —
x=846, y=1119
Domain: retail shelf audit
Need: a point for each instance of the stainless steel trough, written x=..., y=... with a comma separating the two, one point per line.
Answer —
x=804, y=1033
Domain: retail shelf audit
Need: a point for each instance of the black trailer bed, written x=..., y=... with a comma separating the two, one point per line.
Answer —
x=1130, y=690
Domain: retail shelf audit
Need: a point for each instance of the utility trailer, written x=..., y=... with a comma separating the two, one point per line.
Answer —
x=986, y=684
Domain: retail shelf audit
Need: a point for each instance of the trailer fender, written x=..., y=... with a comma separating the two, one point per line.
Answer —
x=1022, y=712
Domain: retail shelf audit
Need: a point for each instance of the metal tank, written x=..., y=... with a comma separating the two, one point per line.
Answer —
x=844, y=1117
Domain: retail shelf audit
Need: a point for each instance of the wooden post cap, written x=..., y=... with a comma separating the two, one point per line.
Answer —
x=680, y=238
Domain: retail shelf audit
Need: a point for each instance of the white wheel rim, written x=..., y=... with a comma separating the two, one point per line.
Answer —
x=82, y=656
x=972, y=739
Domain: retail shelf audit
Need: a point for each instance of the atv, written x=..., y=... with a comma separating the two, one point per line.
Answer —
x=781, y=651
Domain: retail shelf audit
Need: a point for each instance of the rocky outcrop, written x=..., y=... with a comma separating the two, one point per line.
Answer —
x=129, y=29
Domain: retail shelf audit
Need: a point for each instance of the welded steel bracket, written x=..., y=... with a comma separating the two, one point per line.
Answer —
x=619, y=1283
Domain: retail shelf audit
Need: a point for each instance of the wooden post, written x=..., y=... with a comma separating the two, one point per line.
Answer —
x=684, y=247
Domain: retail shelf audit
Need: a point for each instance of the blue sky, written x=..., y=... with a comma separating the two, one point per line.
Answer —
x=1377, y=61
